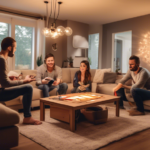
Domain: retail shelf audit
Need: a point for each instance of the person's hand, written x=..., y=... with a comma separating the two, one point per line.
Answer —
x=28, y=79
x=45, y=81
x=115, y=89
x=55, y=83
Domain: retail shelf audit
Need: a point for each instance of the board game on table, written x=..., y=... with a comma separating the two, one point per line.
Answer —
x=63, y=107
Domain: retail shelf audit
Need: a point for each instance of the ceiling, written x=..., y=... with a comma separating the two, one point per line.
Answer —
x=86, y=11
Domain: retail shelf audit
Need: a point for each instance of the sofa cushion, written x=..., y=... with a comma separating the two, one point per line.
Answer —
x=99, y=75
x=106, y=88
x=37, y=94
x=8, y=117
x=109, y=77
x=66, y=75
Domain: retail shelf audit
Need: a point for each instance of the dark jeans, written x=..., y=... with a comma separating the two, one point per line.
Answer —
x=61, y=89
x=76, y=90
x=122, y=95
x=139, y=96
x=25, y=90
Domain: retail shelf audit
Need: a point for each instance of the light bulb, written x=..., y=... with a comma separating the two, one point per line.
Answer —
x=46, y=32
x=60, y=30
x=68, y=31
x=54, y=35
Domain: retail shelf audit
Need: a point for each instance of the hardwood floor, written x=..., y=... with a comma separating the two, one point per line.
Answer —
x=27, y=144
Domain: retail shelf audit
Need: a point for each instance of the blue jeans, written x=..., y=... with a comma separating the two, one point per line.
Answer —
x=25, y=90
x=122, y=95
x=76, y=90
x=61, y=89
x=140, y=95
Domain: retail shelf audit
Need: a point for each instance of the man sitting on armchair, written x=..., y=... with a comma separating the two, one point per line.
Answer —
x=140, y=79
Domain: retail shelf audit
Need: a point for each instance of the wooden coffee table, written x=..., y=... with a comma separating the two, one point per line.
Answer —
x=64, y=110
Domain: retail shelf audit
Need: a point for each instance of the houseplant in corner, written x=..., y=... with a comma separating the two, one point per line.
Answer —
x=70, y=60
x=39, y=61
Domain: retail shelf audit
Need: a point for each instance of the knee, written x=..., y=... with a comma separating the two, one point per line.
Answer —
x=45, y=87
x=28, y=88
x=65, y=86
x=120, y=91
x=134, y=91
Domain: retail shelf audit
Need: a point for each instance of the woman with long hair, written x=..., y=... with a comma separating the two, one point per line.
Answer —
x=82, y=79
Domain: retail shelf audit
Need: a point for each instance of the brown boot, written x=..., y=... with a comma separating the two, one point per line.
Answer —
x=136, y=113
x=132, y=109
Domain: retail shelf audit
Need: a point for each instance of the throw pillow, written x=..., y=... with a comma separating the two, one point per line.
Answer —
x=99, y=75
x=109, y=77
x=14, y=75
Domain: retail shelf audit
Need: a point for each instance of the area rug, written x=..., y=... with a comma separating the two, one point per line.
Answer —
x=55, y=135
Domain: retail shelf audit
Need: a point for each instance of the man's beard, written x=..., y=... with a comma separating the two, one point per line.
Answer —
x=135, y=68
x=10, y=54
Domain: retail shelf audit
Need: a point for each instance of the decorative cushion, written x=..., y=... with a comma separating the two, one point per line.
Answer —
x=14, y=75
x=99, y=75
x=109, y=77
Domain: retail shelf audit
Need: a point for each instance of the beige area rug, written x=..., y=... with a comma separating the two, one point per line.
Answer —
x=55, y=135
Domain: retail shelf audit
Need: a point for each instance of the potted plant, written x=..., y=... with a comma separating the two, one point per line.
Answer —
x=70, y=60
x=39, y=61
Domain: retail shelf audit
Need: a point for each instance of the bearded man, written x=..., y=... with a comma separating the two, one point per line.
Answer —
x=140, y=81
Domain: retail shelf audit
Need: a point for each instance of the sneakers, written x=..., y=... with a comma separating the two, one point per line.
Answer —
x=135, y=113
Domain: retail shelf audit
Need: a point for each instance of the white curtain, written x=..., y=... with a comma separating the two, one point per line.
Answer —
x=40, y=39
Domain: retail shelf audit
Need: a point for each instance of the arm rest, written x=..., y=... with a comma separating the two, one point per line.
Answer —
x=8, y=117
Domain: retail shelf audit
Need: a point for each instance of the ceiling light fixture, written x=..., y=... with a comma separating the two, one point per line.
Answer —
x=54, y=32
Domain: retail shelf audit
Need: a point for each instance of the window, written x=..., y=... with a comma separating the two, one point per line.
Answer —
x=24, y=52
x=93, y=50
x=4, y=30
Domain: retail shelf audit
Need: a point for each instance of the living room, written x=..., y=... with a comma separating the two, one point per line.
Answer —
x=99, y=22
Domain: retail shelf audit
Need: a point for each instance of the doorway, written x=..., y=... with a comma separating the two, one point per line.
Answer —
x=121, y=51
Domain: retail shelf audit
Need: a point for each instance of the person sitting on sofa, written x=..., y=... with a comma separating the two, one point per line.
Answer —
x=53, y=73
x=82, y=78
x=140, y=79
x=8, y=48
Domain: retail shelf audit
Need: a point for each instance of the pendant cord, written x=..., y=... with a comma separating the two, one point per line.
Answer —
x=58, y=12
x=50, y=14
x=47, y=14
